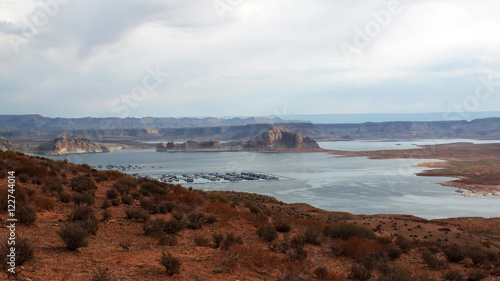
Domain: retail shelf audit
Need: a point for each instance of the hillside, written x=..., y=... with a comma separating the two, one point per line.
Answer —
x=117, y=228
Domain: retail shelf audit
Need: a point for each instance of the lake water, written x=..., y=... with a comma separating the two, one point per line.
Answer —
x=355, y=185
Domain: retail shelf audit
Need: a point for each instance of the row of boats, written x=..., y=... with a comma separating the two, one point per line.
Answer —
x=232, y=177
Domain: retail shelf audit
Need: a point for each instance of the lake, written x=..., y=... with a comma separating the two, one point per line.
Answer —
x=355, y=185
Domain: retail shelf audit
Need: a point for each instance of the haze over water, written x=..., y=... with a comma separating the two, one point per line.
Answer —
x=356, y=185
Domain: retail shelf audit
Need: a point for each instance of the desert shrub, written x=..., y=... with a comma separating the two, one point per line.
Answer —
x=153, y=188
x=64, y=197
x=81, y=213
x=433, y=261
x=25, y=213
x=167, y=239
x=178, y=216
x=358, y=248
x=267, y=232
x=127, y=200
x=454, y=253
x=477, y=255
x=137, y=214
x=148, y=204
x=43, y=202
x=100, y=176
x=112, y=193
x=345, y=231
x=297, y=254
x=166, y=207
x=86, y=198
x=398, y=274
x=433, y=246
x=253, y=207
x=404, y=243
x=90, y=224
x=230, y=240
x=135, y=195
x=217, y=238
x=477, y=274
x=194, y=220
x=82, y=184
x=154, y=227
x=115, y=202
x=393, y=252
x=201, y=241
x=24, y=251
x=312, y=235
x=73, y=236
x=106, y=203
x=378, y=260
x=53, y=184
x=173, y=226
x=101, y=275
x=172, y=264
x=281, y=225
x=210, y=219
x=453, y=275
x=359, y=273
x=106, y=215
x=218, y=197
x=298, y=241
x=321, y=273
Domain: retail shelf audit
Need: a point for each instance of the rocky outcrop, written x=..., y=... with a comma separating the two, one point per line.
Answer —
x=273, y=139
x=277, y=138
x=63, y=145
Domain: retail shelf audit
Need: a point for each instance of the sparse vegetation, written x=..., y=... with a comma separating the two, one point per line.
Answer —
x=172, y=264
x=137, y=214
x=73, y=236
x=24, y=251
x=267, y=233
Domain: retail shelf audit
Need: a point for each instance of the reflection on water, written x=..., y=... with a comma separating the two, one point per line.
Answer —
x=355, y=185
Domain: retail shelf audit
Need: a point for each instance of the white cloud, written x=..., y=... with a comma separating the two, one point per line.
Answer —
x=260, y=56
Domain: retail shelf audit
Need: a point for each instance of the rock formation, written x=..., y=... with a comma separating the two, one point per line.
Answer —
x=63, y=145
x=273, y=139
x=277, y=138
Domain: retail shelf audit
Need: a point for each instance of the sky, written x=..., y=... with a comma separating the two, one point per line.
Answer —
x=162, y=58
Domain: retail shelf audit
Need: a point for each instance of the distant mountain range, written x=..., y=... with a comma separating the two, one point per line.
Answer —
x=41, y=123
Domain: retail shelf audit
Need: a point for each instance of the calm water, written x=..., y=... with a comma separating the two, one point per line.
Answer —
x=355, y=185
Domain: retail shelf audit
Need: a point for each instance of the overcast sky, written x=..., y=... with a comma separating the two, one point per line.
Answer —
x=76, y=58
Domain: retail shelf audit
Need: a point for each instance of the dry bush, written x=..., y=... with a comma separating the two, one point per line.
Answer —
x=113, y=174
x=223, y=210
x=210, y=219
x=73, y=236
x=218, y=197
x=477, y=255
x=453, y=275
x=167, y=239
x=154, y=227
x=64, y=197
x=82, y=184
x=137, y=214
x=191, y=199
x=267, y=232
x=281, y=225
x=81, y=213
x=378, y=261
x=393, y=252
x=25, y=213
x=230, y=240
x=24, y=251
x=312, y=235
x=53, y=184
x=399, y=274
x=217, y=238
x=477, y=274
x=148, y=204
x=404, y=243
x=127, y=200
x=32, y=171
x=100, y=176
x=86, y=198
x=173, y=226
x=172, y=264
x=201, y=241
x=255, y=258
x=433, y=261
x=102, y=275
x=112, y=193
x=43, y=202
x=106, y=215
x=153, y=188
x=297, y=254
x=253, y=207
x=106, y=203
x=345, y=231
x=298, y=241
x=194, y=220
x=359, y=248
x=359, y=273
x=454, y=253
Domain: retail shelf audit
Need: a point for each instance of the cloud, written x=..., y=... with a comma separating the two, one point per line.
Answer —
x=255, y=59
